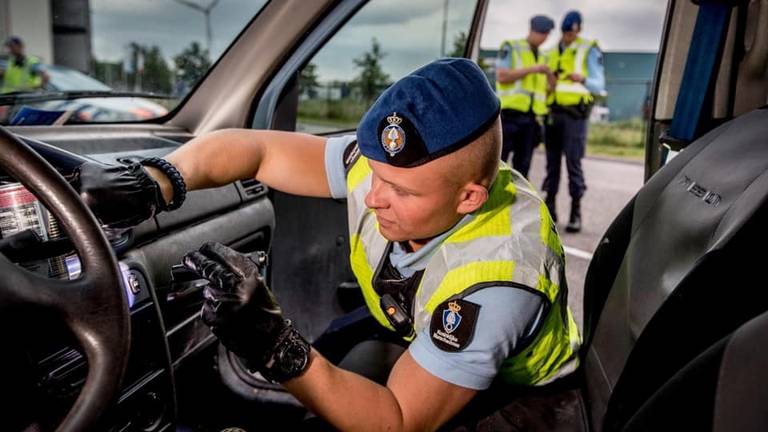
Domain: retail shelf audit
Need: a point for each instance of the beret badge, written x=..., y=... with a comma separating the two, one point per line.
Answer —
x=393, y=136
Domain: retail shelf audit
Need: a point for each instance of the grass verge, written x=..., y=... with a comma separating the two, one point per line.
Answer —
x=622, y=139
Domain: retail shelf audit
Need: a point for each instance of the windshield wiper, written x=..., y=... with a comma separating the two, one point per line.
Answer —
x=15, y=97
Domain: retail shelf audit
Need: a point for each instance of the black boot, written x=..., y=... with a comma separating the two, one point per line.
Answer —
x=550, y=202
x=574, y=224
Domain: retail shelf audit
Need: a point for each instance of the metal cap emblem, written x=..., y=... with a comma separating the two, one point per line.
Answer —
x=393, y=136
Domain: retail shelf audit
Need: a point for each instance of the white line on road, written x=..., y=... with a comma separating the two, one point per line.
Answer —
x=578, y=253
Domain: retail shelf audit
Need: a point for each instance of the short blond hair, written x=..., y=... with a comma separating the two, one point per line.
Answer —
x=478, y=161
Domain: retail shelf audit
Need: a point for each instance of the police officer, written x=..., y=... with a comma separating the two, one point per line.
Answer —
x=23, y=72
x=522, y=74
x=454, y=252
x=578, y=64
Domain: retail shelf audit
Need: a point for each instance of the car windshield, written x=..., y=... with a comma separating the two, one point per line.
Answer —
x=95, y=61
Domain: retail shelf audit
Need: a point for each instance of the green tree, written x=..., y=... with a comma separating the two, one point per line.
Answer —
x=111, y=74
x=149, y=71
x=157, y=75
x=459, y=45
x=308, y=80
x=372, y=79
x=191, y=64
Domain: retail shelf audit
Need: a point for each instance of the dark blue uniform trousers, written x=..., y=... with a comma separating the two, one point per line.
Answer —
x=520, y=135
x=565, y=134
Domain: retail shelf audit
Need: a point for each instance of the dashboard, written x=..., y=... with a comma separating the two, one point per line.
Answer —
x=166, y=330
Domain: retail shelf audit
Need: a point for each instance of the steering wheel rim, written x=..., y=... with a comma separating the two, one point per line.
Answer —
x=94, y=306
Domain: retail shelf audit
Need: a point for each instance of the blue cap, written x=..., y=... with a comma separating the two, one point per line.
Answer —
x=435, y=110
x=542, y=24
x=14, y=40
x=572, y=21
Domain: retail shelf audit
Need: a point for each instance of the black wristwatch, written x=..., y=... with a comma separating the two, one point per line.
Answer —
x=174, y=176
x=290, y=357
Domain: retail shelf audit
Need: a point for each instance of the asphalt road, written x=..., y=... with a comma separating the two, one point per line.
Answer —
x=610, y=185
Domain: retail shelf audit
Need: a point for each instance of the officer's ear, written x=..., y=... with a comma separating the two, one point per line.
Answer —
x=471, y=198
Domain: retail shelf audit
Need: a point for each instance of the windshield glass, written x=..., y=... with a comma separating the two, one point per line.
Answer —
x=85, y=61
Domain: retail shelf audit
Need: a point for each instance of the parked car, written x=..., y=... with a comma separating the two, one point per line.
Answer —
x=98, y=109
x=675, y=306
x=64, y=82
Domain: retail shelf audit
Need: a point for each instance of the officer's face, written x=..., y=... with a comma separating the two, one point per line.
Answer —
x=537, y=38
x=570, y=36
x=14, y=49
x=412, y=203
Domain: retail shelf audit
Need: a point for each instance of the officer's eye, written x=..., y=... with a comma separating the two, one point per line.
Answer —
x=399, y=192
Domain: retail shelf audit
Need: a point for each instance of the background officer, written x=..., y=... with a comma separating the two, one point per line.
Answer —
x=522, y=73
x=432, y=215
x=23, y=72
x=578, y=64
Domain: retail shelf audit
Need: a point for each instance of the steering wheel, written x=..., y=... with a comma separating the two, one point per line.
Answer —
x=94, y=306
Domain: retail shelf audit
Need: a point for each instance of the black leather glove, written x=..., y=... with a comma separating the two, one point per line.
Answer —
x=239, y=307
x=120, y=196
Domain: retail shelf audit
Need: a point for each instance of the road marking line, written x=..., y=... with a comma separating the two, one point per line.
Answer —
x=578, y=253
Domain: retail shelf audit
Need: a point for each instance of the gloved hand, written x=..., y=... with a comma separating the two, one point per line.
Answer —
x=239, y=307
x=120, y=196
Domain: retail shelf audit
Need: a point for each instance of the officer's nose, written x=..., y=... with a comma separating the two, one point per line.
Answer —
x=374, y=199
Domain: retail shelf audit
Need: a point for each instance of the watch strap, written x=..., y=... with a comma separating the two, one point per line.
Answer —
x=289, y=358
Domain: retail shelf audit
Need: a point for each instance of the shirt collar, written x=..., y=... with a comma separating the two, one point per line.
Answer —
x=408, y=263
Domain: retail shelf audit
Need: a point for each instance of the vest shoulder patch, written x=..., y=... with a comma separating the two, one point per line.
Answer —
x=453, y=324
x=351, y=155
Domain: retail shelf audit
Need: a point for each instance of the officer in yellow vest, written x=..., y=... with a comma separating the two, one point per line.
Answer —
x=23, y=72
x=578, y=65
x=522, y=74
x=454, y=252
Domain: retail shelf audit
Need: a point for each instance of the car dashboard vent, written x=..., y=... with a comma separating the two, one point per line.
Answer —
x=252, y=188
x=63, y=373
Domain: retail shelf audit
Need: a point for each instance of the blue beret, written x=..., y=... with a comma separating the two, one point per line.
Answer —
x=434, y=111
x=14, y=40
x=572, y=18
x=542, y=24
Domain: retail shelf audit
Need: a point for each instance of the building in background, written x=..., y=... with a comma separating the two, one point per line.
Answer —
x=628, y=78
x=65, y=38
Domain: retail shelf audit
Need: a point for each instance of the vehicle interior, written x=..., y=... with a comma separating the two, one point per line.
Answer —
x=674, y=310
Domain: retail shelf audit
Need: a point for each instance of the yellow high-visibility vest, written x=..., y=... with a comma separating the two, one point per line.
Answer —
x=529, y=93
x=573, y=59
x=511, y=242
x=21, y=77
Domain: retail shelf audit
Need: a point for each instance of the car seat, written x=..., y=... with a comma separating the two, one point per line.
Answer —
x=679, y=270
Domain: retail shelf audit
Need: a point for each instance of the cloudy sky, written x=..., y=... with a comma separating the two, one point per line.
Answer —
x=409, y=31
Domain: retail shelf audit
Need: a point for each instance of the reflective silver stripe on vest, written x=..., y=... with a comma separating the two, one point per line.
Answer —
x=537, y=96
x=581, y=52
x=514, y=91
x=523, y=246
x=360, y=216
x=518, y=84
x=566, y=87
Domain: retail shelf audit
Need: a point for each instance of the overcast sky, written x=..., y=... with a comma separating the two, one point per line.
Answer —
x=409, y=31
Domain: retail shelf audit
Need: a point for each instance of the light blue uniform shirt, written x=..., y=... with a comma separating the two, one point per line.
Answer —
x=507, y=315
x=595, y=82
x=504, y=57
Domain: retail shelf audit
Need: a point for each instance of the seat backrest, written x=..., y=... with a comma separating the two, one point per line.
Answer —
x=723, y=389
x=677, y=270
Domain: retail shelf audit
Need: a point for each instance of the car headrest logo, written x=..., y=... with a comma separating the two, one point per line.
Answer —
x=700, y=191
